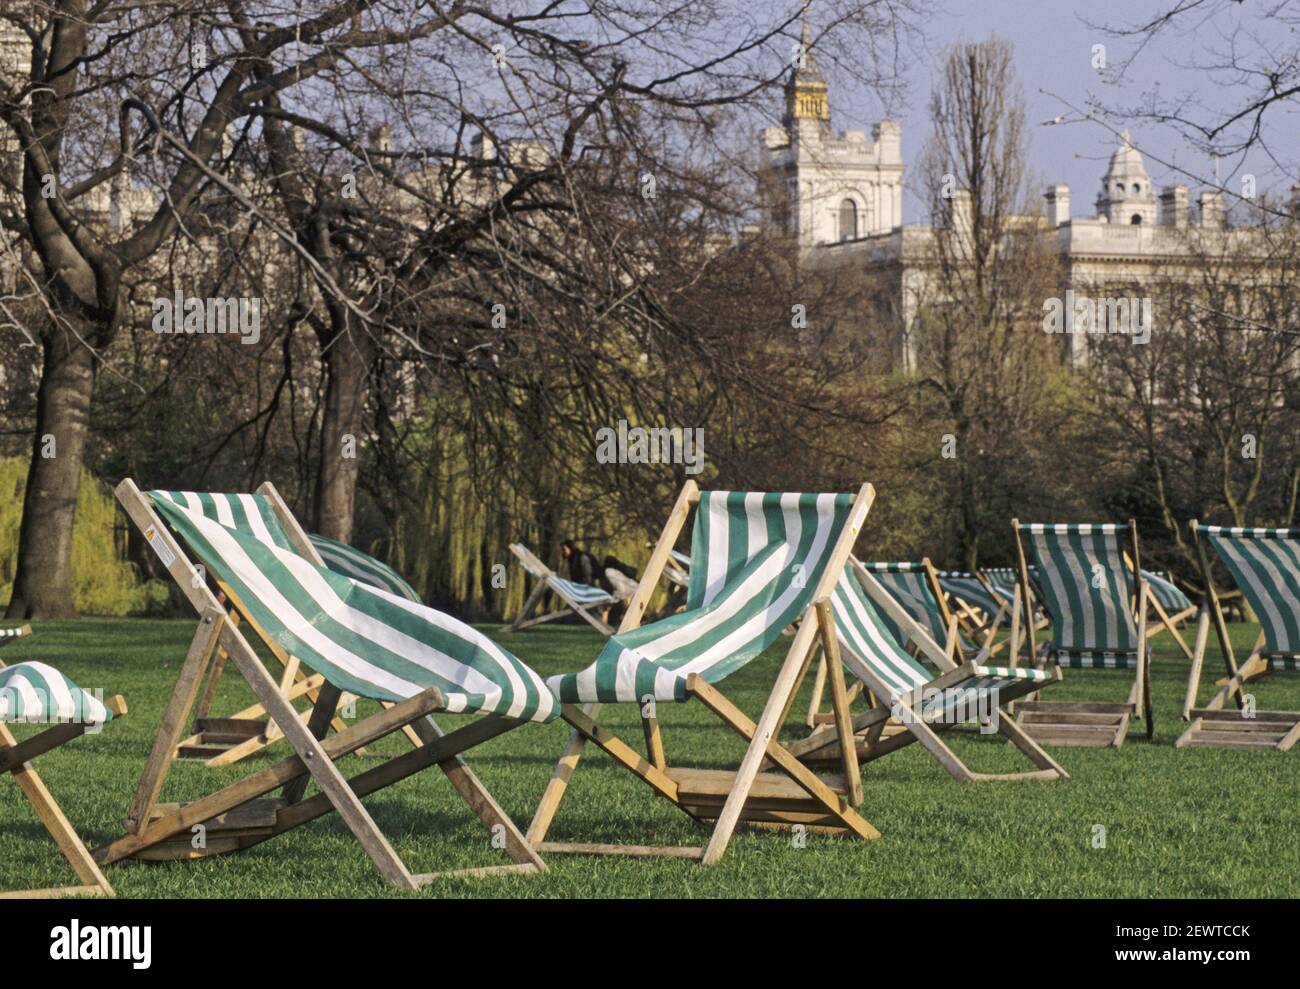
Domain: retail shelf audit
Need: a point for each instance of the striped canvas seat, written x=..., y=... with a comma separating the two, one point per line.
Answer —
x=1265, y=566
x=1087, y=589
x=1166, y=592
x=251, y=514
x=969, y=588
x=869, y=636
x=361, y=639
x=33, y=693
x=350, y=562
x=907, y=583
x=584, y=594
x=755, y=560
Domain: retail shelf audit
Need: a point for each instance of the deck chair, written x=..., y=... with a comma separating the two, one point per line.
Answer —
x=576, y=598
x=1098, y=602
x=350, y=562
x=225, y=741
x=33, y=693
x=11, y=635
x=1265, y=566
x=915, y=588
x=759, y=562
x=357, y=639
x=905, y=692
x=1171, y=607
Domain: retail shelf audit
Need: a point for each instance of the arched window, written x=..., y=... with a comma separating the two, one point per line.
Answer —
x=848, y=220
x=1136, y=220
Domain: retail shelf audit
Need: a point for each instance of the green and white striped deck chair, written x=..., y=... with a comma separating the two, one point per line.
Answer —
x=980, y=608
x=577, y=598
x=907, y=693
x=357, y=638
x=912, y=586
x=344, y=559
x=759, y=562
x=225, y=741
x=1265, y=566
x=1098, y=605
x=37, y=694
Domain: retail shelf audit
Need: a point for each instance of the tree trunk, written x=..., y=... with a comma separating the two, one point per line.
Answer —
x=347, y=369
x=43, y=582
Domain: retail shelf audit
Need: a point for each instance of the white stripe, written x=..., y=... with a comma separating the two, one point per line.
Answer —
x=412, y=650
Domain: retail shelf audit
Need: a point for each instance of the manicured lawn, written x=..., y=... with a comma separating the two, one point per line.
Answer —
x=1177, y=822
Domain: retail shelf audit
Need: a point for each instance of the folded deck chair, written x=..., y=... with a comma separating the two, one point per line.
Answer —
x=1265, y=566
x=577, y=597
x=759, y=562
x=10, y=635
x=33, y=693
x=1098, y=604
x=905, y=692
x=357, y=639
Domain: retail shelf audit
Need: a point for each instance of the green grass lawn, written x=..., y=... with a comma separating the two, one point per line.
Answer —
x=1179, y=823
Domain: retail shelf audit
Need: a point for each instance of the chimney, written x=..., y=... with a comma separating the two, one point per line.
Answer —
x=482, y=145
x=1173, y=206
x=888, y=135
x=1058, y=204
x=1212, y=213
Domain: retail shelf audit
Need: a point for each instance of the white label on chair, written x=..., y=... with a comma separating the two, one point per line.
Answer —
x=159, y=544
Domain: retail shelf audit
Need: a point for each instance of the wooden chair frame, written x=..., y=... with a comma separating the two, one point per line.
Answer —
x=794, y=795
x=1213, y=725
x=236, y=816
x=15, y=761
x=953, y=623
x=1085, y=722
x=871, y=741
x=1166, y=622
x=546, y=581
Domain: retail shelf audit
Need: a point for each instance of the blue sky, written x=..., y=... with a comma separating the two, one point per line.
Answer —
x=1054, y=52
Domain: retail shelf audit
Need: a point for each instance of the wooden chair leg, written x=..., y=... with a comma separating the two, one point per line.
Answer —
x=56, y=823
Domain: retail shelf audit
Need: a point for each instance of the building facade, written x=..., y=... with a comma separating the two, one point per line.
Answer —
x=840, y=198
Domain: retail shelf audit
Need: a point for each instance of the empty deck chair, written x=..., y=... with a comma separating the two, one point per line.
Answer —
x=357, y=639
x=34, y=693
x=1098, y=604
x=577, y=598
x=759, y=562
x=915, y=587
x=1265, y=566
x=225, y=741
x=1171, y=607
x=923, y=702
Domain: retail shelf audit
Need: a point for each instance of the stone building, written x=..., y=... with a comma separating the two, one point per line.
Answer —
x=840, y=197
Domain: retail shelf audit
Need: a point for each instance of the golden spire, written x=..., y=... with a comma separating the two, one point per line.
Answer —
x=806, y=96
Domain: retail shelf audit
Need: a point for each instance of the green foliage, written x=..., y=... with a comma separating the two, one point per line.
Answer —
x=104, y=583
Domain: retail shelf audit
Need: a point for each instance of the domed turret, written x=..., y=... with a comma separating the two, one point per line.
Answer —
x=1126, y=195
